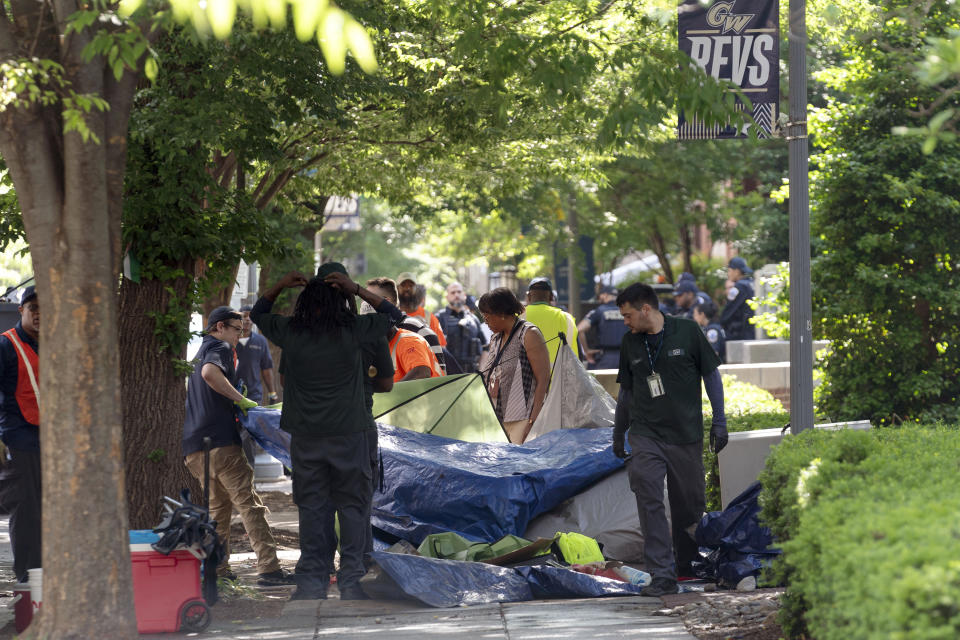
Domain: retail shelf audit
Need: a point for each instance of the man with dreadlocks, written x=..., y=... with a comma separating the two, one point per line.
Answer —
x=325, y=413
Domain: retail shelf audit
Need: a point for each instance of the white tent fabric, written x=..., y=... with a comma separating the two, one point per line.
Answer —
x=575, y=399
x=606, y=512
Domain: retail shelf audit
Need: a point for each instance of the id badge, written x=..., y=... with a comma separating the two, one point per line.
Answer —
x=656, y=385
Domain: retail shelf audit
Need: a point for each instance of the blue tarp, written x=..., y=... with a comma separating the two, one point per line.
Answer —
x=556, y=582
x=733, y=542
x=264, y=425
x=482, y=491
x=450, y=583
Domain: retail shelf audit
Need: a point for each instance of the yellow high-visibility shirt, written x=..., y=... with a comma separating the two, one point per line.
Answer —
x=552, y=321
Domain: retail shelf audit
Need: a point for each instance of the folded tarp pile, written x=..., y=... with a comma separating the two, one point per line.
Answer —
x=733, y=543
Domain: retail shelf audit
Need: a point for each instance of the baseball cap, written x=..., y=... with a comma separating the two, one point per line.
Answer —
x=684, y=286
x=686, y=275
x=28, y=294
x=540, y=283
x=739, y=263
x=221, y=314
x=609, y=290
x=331, y=267
x=406, y=275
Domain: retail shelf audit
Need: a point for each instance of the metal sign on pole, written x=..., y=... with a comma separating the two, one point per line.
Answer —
x=801, y=315
x=737, y=41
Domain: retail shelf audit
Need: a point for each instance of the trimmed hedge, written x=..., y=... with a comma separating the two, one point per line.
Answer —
x=868, y=523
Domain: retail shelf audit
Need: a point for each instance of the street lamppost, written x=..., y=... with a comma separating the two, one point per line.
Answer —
x=801, y=320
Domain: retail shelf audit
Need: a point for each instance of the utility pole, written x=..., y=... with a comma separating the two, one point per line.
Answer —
x=801, y=315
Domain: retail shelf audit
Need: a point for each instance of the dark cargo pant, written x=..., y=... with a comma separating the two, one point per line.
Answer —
x=20, y=495
x=682, y=465
x=331, y=474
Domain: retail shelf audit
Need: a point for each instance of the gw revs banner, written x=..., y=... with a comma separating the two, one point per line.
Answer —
x=739, y=41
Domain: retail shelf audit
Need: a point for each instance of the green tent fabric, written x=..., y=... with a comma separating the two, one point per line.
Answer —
x=450, y=406
x=450, y=546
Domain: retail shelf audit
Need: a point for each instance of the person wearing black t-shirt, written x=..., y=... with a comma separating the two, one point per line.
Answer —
x=662, y=361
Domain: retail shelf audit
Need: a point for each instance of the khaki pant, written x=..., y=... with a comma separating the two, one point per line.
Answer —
x=231, y=485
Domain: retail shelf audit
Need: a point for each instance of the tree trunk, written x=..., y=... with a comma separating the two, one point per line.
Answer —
x=70, y=194
x=686, y=239
x=153, y=395
x=68, y=211
x=221, y=293
x=660, y=249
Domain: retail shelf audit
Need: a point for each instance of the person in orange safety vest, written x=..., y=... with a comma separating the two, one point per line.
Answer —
x=20, y=493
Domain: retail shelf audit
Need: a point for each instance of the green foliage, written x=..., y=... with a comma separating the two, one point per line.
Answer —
x=156, y=455
x=335, y=30
x=868, y=554
x=11, y=222
x=743, y=399
x=775, y=319
x=15, y=264
x=884, y=285
x=941, y=69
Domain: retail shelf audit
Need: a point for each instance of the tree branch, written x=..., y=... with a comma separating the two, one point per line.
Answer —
x=279, y=183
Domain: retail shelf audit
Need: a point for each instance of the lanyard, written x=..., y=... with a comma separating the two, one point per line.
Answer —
x=652, y=358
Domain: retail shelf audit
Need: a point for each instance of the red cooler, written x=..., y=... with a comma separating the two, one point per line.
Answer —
x=166, y=589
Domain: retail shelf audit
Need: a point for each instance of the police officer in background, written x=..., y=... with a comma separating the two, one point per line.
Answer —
x=686, y=296
x=465, y=340
x=737, y=313
x=705, y=315
x=608, y=322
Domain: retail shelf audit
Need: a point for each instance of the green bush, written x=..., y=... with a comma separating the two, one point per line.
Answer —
x=743, y=399
x=870, y=552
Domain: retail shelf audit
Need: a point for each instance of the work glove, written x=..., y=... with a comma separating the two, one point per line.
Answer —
x=718, y=437
x=618, y=444
x=244, y=404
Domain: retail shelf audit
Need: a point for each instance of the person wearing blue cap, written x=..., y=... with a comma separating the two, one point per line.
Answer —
x=686, y=295
x=735, y=318
x=607, y=320
x=20, y=430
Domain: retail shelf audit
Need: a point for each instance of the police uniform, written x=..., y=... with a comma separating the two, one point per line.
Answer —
x=608, y=323
x=687, y=312
x=465, y=339
x=717, y=338
x=737, y=313
x=20, y=489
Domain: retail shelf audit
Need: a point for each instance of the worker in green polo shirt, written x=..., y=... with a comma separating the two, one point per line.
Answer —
x=551, y=320
x=326, y=416
x=662, y=360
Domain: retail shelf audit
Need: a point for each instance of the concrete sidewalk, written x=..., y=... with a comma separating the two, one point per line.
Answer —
x=626, y=617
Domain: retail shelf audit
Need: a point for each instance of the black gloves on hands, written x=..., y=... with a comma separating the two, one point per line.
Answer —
x=718, y=437
x=618, y=444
